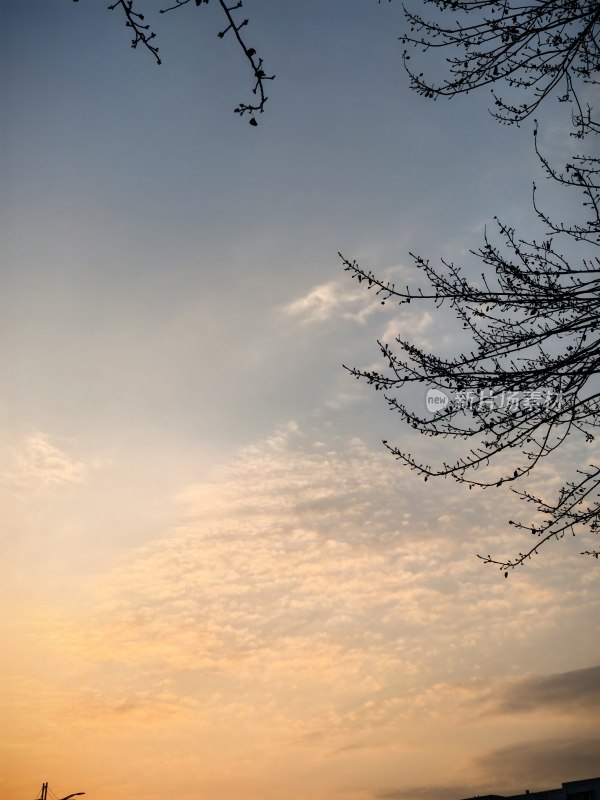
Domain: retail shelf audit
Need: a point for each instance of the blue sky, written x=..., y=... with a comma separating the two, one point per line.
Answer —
x=225, y=575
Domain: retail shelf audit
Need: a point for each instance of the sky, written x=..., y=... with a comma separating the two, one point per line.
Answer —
x=217, y=582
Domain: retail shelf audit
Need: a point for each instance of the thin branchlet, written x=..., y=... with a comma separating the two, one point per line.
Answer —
x=260, y=77
x=143, y=35
x=141, y=32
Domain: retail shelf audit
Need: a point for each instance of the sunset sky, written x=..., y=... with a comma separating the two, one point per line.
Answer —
x=217, y=583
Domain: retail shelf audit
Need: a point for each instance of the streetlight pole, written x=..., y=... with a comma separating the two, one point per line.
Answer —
x=44, y=794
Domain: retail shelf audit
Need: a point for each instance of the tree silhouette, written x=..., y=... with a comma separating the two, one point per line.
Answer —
x=528, y=384
x=144, y=36
x=535, y=48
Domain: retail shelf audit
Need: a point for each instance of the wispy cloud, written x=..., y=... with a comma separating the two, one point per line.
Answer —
x=453, y=792
x=411, y=327
x=308, y=601
x=334, y=300
x=534, y=765
x=37, y=463
x=566, y=691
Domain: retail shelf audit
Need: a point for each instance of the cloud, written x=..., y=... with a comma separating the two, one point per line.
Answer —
x=318, y=559
x=341, y=300
x=538, y=765
x=336, y=299
x=565, y=692
x=411, y=327
x=541, y=764
x=452, y=792
x=302, y=539
x=36, y=463
x=306, y=608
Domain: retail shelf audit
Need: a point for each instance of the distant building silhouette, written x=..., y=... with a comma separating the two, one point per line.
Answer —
x=587, y=789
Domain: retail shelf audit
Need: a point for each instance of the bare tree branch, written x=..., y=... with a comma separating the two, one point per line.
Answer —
x=141, y=33
x=528, y=383
x=256, y=63
x=144, y=36
x=535, y=47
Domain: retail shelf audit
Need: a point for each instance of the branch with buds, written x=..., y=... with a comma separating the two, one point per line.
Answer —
x=256, y=63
